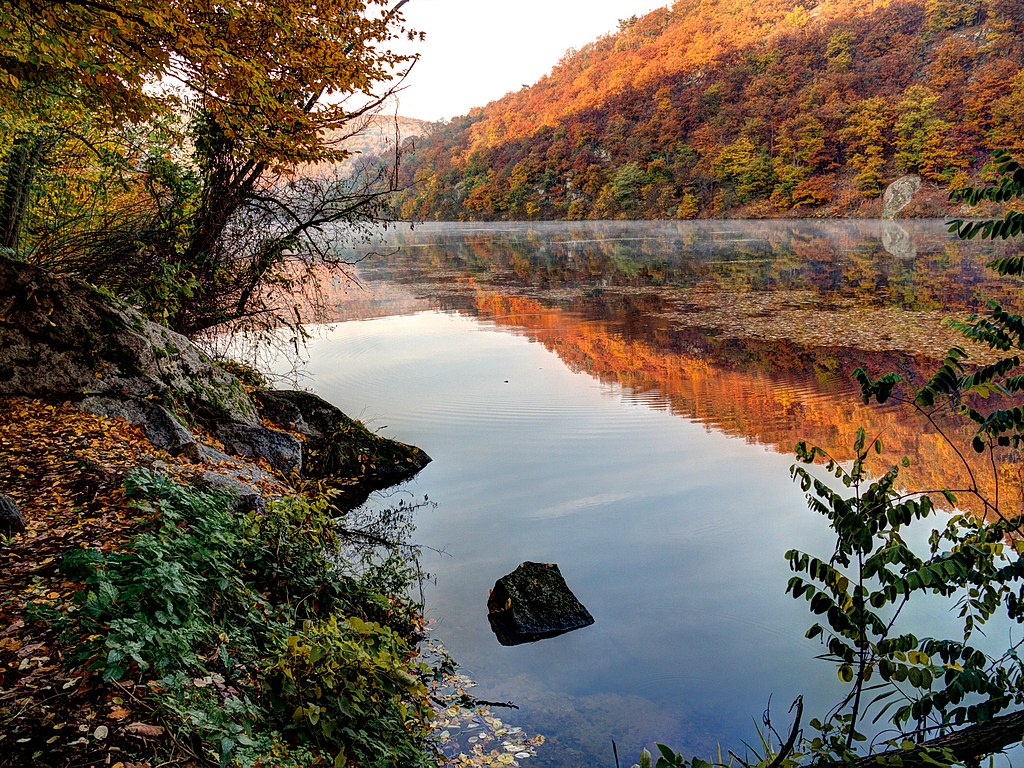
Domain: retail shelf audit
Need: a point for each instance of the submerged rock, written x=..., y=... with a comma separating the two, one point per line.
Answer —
x=532, y=603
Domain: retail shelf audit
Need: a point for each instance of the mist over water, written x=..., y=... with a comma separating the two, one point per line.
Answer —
x=623, y=399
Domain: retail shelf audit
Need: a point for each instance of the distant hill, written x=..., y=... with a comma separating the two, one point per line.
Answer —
x=373, y=137
x=739, y=108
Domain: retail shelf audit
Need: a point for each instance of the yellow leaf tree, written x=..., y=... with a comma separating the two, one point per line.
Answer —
x=253, y=90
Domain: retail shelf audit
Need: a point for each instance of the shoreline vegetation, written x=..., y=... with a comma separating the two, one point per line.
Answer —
x=147, y=622
x=190, y=599
x=203, y=600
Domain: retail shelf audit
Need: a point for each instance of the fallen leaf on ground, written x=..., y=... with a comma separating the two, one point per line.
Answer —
x=145, y=730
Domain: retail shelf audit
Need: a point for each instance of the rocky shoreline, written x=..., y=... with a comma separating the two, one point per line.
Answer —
x=95, y=400
x=61, y=340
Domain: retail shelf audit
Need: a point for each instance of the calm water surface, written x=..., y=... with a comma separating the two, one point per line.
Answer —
x=623, y=400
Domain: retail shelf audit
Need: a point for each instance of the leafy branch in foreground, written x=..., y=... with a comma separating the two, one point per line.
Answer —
x=925, y=685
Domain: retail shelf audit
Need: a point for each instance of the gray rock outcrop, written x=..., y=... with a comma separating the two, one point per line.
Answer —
x=61, y=339
x=303, y=412
x=11, y=520
x=899, y=194
x=245, y=497
x=339, y=446
x=283, y=451
x=160, y=426
x=532, y=603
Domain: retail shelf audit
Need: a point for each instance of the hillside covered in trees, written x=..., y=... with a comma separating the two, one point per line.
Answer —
x=739, y=108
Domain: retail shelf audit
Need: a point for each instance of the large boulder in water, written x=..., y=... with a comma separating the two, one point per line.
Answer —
x=532, y=603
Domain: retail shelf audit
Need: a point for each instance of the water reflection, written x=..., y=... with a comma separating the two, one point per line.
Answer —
x=623, y=399
x=897, y=241
x=749, y=327
x=833, y=261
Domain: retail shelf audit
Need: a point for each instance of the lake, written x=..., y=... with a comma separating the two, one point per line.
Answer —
x=623, y=399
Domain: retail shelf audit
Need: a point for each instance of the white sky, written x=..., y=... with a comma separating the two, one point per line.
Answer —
x=476, y=51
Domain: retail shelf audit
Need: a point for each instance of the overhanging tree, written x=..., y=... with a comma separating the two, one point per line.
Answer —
x=261, y=90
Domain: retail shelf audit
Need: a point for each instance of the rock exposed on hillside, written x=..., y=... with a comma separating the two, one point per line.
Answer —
x=899, y=194
x=283, y=451
x=60, y=338
x=11, y=520
x=159, y=425
x=532, y=603
x=246, y=497
x=242, y=479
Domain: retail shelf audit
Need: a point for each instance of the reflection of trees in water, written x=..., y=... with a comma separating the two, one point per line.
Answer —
x=772, y=395
x=677, y=309
x=847, y=259
x=764, y=398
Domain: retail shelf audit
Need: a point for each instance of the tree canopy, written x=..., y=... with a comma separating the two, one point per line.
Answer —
x=143, y=141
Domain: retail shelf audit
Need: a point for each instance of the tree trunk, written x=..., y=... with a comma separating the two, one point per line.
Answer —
x=968, y=745
x=22, y=163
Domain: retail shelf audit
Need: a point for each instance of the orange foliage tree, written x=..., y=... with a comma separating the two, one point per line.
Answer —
x=833, y=102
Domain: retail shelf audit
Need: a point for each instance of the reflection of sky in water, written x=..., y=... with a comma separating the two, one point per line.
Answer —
x=671, y=534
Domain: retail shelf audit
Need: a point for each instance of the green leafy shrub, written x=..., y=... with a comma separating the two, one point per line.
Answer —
x=239, y=619
x=946, y=699
x=347, y=686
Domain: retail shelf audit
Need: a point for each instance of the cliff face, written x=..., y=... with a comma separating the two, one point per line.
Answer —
x=62, y=339
x=737, y=108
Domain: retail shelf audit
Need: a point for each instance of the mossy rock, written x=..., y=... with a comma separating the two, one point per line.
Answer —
x=63, y=338
x=338, y=448
x=533, y=603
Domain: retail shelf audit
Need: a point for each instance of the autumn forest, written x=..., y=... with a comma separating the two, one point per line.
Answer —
x=731, y=108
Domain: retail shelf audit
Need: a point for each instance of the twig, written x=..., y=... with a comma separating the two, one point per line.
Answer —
x=787, y=748
x=485, y=703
